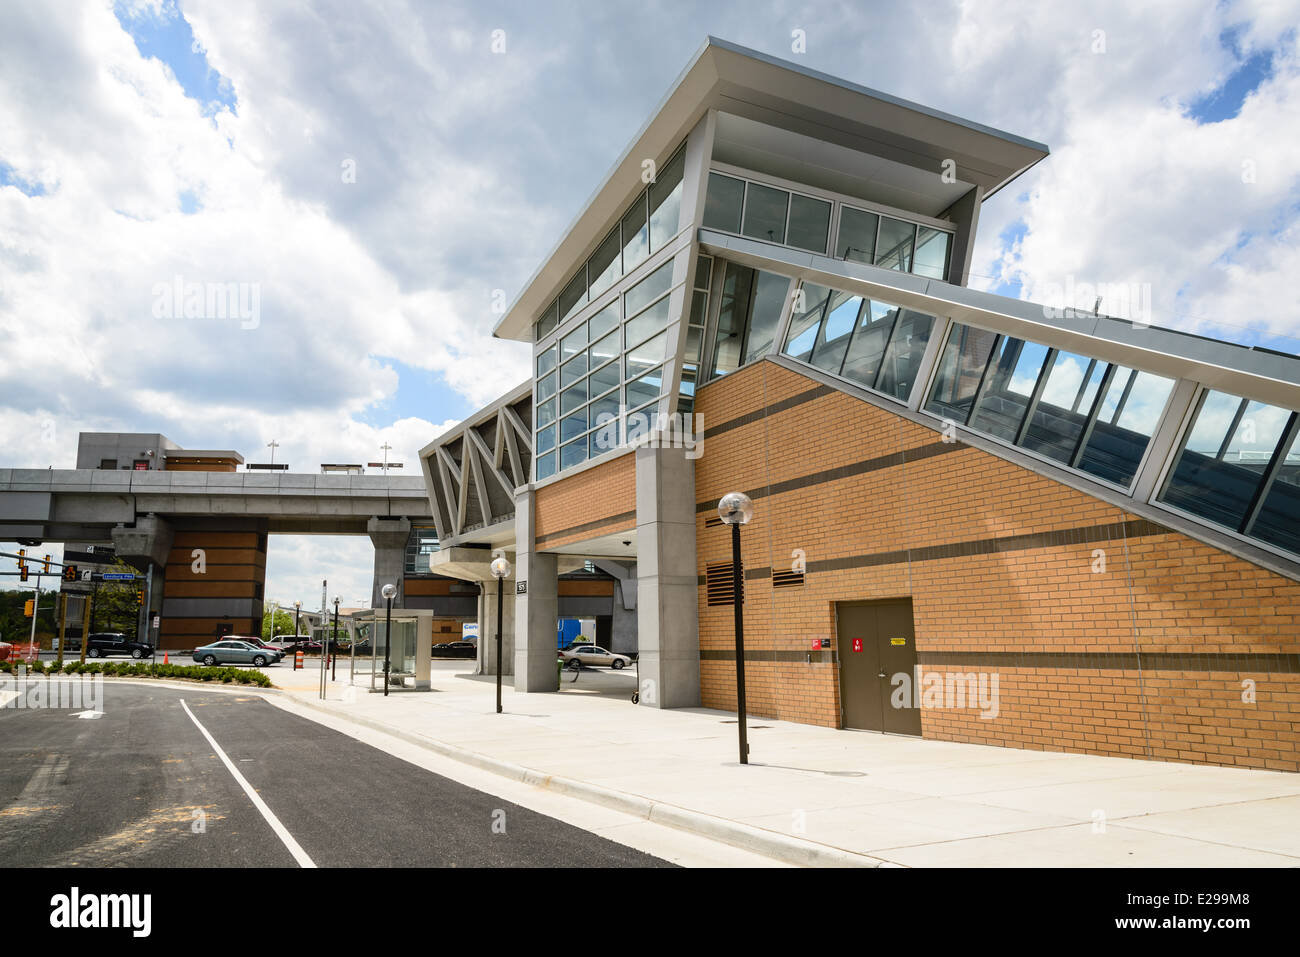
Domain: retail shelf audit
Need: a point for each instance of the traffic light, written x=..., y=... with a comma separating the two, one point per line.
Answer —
x=139, y=598
x=22, y=559
x=69, y=573
x=22, y=573
x=46, y=570
x=29, y=607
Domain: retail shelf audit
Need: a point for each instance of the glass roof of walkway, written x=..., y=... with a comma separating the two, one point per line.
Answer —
x=1198, y=434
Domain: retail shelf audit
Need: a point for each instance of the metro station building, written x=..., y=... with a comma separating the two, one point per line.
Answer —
x=1088, y=524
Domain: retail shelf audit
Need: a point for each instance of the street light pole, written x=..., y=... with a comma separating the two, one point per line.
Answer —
x=500, y=570
x=389, y=591
x=334, y=662
x=736, y=509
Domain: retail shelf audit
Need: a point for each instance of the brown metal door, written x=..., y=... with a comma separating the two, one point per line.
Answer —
x=859, y=653
x=899, y=695
x=877, y=643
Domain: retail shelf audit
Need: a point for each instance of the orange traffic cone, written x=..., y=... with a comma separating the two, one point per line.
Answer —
x=165, y=658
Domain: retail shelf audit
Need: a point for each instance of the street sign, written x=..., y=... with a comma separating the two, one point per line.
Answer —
x=118, y=577
x=85, y=576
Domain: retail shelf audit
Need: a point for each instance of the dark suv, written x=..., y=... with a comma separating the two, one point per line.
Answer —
x=105, y=644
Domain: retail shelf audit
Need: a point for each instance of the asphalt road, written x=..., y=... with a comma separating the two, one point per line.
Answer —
x=142, y=786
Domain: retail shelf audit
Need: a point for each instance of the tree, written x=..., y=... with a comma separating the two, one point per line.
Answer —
x=116, y=607
x=283, y=623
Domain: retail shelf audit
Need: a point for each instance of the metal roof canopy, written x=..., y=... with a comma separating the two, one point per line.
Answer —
x=753, y=85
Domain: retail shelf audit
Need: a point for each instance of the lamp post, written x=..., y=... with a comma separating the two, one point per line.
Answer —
x=736, y=509
x=275, y=606
x=334, y=662
x=388, y=592
x=500, y=570
x=297, y=613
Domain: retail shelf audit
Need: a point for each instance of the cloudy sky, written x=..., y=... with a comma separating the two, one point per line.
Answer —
x=372, y=175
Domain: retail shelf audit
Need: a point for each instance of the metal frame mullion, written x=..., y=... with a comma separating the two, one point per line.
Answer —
x=1037, y=394
x=1103, y=387
x=1270, y=474
x=1232, y=429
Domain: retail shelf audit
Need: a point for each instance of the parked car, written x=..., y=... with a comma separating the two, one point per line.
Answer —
x=109, y=643
x=592, y=655
x=455, y=649
x=5, y=649
x=233, y=651
x=276, y=653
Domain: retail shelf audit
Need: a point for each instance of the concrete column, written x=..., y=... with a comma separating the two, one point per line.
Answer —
x=537, y=608
x=667, y=621
x=487, y=627
x=389, y=536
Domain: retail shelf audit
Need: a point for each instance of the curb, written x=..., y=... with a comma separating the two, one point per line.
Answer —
x=781, y=847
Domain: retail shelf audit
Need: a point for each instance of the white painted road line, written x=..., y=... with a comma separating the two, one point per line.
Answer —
x=281, y=831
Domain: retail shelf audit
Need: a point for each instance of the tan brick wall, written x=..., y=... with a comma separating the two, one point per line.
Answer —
x=1158, y=593
x=596, y=502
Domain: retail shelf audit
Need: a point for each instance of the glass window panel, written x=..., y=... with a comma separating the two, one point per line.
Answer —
x=548, y=320
x=636, y=235
x=545, y=466
x=931, y=252
x=546, y=387
x=644, y=356
x=875, y=325
x=546, y=412
x=699, y=307
x=1228, y=449
x=649, y=322
x=604, y=350
x=545, y=439
x=546, y=361
x=603, y=321
x=572, y=426
x=765, y=210
x=666, y=201
x=765, y=314
x=737, y=286
x=810, y=221
x=694, y=337
x=645, y=388
x=1128, y=414
x=573, y=370
x=574, y=342
x=604, y=436
x=1063, y=409
x=604, y=379
x=573, y=397
x=836, y=330
x=965, y=355
x=896, y=241
x=809, y=305
x=604, y=409
x=1008, y=388
x=575, y=295
x=723, y=202
x=604, y=266
x=689, y=373
x=903, y=359
x=703, y=271
x=575, y=453
x=857, y=236
x=1279, y=514
x=648, y=289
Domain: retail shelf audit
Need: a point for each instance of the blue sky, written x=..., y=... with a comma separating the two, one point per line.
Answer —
x=206, y=139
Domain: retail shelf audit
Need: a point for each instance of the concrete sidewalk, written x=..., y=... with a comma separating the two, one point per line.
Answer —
x=819, y=796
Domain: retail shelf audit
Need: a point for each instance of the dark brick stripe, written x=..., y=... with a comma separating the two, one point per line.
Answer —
x=1130, y=528
x=892, y=460
x=1088, y=661
x=1117, y=661
x=585, y=527
x=794, y=400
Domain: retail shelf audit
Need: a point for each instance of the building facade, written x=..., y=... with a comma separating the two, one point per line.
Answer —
x=976, y=518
